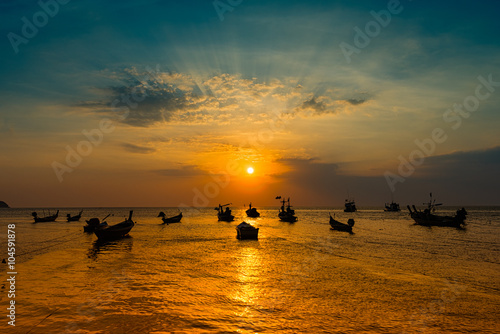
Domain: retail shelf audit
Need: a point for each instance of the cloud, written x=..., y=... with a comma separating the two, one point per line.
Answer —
x=458, y=178
x=322, y=183
x=314, y=105
x=466, y=166
x=137, y=149
x=152, y=97
x=184, y=171
x=356, y=101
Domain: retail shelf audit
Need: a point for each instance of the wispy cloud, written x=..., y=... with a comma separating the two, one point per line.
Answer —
x=223, y=98
x=183, y=171
x=137, y=148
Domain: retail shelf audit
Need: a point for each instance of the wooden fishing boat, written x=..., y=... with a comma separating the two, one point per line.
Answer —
x=427, y=217
x=170, y=220
x=350, y=206
x=252, y=212
x=224, y=215
x=51, y=218
x=338, y=226
x=76, y=218
x=288, y=214
x=246, y=231
x=115, y=231
x=392, y=207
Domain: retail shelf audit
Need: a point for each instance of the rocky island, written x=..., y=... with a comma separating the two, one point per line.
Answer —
x=3, y=205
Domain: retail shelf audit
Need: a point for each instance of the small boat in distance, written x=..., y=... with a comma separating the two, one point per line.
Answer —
x=428, y=218
x=392, y=207
x=287, y=215
x=252, y=212
x=246, y=231
x=170, y=220
x=350, y=206
x=224, y=215
x=115, y=231
x=94, y=223
x=50, y=218
x=74, y=218
x=338, y=226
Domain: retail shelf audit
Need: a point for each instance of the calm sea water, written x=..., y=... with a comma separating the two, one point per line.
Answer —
x=390, y=276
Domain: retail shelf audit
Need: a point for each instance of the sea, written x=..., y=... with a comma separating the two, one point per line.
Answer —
x=388, y=276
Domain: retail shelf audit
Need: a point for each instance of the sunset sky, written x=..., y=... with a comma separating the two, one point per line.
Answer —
x=167, y=103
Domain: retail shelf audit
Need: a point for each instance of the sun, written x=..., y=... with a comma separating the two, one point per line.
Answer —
x=250, y=170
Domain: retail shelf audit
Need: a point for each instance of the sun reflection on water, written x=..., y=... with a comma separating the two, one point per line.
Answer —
x=249, y=269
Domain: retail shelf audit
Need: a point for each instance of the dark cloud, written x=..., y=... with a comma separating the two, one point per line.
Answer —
x=184, y=171
x=150, y=102
x=479, y=166
x=317, y=107
x=484, y=158
x=356, y=101
x=459, y=178
x=137, y=149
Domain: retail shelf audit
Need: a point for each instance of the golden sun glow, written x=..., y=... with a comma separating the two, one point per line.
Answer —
x=250, y=170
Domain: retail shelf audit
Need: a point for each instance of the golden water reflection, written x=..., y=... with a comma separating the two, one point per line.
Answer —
x=249, y=266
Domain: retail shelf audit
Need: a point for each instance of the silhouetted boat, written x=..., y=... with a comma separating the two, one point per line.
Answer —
x=336, y=225
x=350, y=206
x=115, y=231
x=94, y=223
x=170, y=220
x=392, y=207
x=246, y=231
x=288, y=214
x=252, y=212
x=74, y=218
x=428, y=218
x=45, y=219
x=224, y=215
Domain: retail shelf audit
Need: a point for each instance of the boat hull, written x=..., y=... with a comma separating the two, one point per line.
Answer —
x=252, y=213
x=338, y=226
x=247, y=233
x=433, y=220
x=287, y=218
x=427, y=218
x=225, y=218
x=114, y=232
x=171, y=220
x=74, y=218
x=45, y=219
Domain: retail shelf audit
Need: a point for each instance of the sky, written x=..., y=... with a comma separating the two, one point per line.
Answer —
x=168, y=103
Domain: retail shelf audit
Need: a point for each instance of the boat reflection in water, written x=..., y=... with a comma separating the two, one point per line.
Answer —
x=123, y=245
